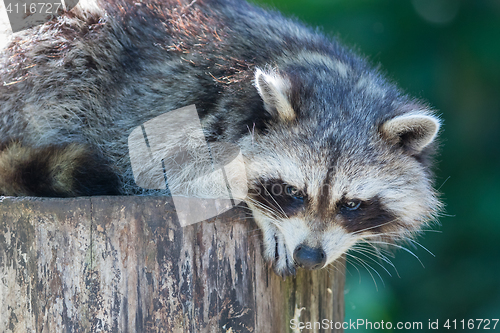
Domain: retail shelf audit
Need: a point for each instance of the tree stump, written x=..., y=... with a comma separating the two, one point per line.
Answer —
x=124, y=264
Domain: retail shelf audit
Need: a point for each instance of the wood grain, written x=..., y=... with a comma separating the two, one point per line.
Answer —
x=124, y=264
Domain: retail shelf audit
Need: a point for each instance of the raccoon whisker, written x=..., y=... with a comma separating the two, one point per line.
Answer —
x=277, y=204
x=282, y=211
x=334, y=269
x=374, y=251
x=277, y=223
x=382, y=252
x=443, y=183
x=268, y=211
x=266, y=208
x=248, y=218
x=367, y=266
x=386, y=259
x=430, y=230
x=245, y=206
x=366, y=253
x=375, y=271
x=399, y=247
x=273, y=220
x=396, y=235
x=379, y=252
x=259, y=204
x=347, y=259
x=249, y=211
x=446, y=215
x=340, y=262
x=417, y=243
x=376, y=226
x=402, y=233
x=256, y=203
x=401, y=237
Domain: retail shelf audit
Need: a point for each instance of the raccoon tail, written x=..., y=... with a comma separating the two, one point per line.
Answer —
x=55, y=171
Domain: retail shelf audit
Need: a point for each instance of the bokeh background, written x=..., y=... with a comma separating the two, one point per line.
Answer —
x=448, y=53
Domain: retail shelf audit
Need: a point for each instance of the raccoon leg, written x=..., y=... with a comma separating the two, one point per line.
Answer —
x=55, y=171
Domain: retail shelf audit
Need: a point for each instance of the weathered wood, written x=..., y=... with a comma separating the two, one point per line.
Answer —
x=124, y=264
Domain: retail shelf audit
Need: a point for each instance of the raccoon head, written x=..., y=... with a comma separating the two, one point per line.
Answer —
x=338, y=164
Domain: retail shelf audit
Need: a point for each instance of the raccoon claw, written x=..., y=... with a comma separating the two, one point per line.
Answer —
x=281, y=263
x=284, y=272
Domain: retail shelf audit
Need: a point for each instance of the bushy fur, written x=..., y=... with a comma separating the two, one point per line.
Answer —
x=310, y=117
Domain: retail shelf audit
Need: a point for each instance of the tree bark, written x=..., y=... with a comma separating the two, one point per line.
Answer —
x=124, y=264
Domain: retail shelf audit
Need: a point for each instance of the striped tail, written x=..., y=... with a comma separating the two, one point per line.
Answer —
x=55, y=171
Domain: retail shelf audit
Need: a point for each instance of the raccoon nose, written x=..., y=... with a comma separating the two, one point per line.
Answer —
x=308, y=257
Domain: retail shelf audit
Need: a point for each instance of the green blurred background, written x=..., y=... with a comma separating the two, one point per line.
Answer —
x=446, y=52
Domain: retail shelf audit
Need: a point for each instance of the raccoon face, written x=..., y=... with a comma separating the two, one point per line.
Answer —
x=320, y=184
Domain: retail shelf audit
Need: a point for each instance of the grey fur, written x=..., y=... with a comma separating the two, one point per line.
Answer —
x=304, y=110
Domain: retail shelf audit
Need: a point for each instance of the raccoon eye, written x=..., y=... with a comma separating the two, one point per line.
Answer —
x=294, y=192
x=352, y=205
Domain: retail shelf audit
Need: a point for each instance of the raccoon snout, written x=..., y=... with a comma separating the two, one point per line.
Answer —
x=309, y=258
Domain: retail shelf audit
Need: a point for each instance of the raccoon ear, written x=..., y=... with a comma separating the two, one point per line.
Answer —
x=274, y=89
x=413, y=131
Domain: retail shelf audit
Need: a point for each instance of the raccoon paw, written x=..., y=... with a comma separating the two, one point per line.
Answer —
x=282, y=263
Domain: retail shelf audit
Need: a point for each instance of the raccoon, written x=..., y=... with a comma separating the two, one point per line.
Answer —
x=334, y=153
